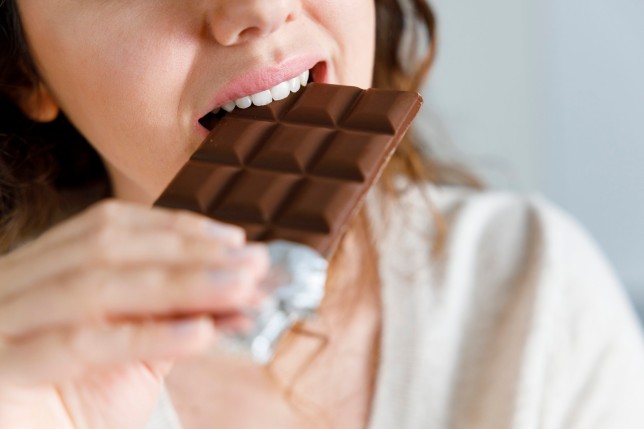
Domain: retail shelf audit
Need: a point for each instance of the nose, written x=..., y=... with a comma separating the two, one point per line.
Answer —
x=234, y=22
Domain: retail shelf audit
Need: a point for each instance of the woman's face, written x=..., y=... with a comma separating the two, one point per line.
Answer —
x=135, y=76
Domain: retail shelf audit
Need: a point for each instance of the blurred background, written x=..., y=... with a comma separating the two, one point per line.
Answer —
x=547, y=96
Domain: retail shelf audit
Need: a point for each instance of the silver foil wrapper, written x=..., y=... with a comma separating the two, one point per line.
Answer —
x=295, y=288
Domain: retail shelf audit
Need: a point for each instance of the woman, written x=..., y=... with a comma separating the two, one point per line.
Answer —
x=505, y=316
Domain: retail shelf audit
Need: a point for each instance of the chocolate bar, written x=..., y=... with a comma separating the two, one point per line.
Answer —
x=296, y=169
x=293, y=173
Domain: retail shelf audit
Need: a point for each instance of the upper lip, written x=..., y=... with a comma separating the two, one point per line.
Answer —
x=260, y=79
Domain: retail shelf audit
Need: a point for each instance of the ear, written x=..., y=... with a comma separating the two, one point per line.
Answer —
x=37, y=103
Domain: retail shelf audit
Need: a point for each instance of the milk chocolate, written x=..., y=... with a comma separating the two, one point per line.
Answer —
x=297, y=169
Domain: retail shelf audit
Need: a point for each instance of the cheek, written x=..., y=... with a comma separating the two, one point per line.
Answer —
x=352, y=24
x=120, y=88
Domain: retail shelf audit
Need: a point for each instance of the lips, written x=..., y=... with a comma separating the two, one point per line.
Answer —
x=265, y=96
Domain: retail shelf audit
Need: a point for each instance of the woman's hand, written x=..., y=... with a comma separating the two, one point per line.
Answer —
x=93, y=312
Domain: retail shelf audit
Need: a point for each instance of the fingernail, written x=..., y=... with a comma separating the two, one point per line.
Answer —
x=186, y=326
x=225, y=231
x=224, y=278
x=248, y=252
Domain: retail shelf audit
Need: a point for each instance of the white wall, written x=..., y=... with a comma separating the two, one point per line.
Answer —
x=548, y=96
x=483, y=87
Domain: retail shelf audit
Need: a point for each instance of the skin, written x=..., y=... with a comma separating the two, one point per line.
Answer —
x=132, y=75
x=86, y=340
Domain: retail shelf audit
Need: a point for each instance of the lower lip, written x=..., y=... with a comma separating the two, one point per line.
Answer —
x=319, y=74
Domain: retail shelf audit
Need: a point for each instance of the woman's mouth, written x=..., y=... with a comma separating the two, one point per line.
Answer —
x=278, y=92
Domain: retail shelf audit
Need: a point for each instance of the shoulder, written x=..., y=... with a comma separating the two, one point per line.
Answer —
x=528, y=299
x=507, y=241
x=495, y=222
x=501, y=230
x=526, y=235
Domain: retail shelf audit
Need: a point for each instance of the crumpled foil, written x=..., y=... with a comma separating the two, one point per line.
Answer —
x=295, y=288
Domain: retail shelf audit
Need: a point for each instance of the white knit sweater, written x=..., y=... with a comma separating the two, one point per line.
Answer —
x=521, y=324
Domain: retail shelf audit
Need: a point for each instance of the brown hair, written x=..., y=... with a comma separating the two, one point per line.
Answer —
x=49, y=171
x=407, y=70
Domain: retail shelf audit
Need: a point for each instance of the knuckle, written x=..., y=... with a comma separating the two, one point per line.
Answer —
x=131, y=338
x=150, y=285
x=170, y=245
x=102, y=241
x=77, y=343
x=181, y=220
x=240, y=287
x=107, y=210
x=177, y=243
x=99, y=293
x=152, y=279
x=262, y=259
x=74, y=293
x=207, y=250
x=181, y=288
x=91, y=293
x=104, y=234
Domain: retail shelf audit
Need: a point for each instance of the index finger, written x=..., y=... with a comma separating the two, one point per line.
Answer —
x=135, y=216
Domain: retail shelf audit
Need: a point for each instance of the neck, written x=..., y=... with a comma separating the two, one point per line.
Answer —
x=126, y=189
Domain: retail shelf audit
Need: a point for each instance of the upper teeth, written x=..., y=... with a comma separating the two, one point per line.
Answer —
x=278, y=92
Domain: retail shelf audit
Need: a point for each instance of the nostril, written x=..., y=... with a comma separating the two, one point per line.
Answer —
x=236, y=21
x=251, y=33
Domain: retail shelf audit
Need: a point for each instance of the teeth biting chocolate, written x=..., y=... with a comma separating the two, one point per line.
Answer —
x=296, y=170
